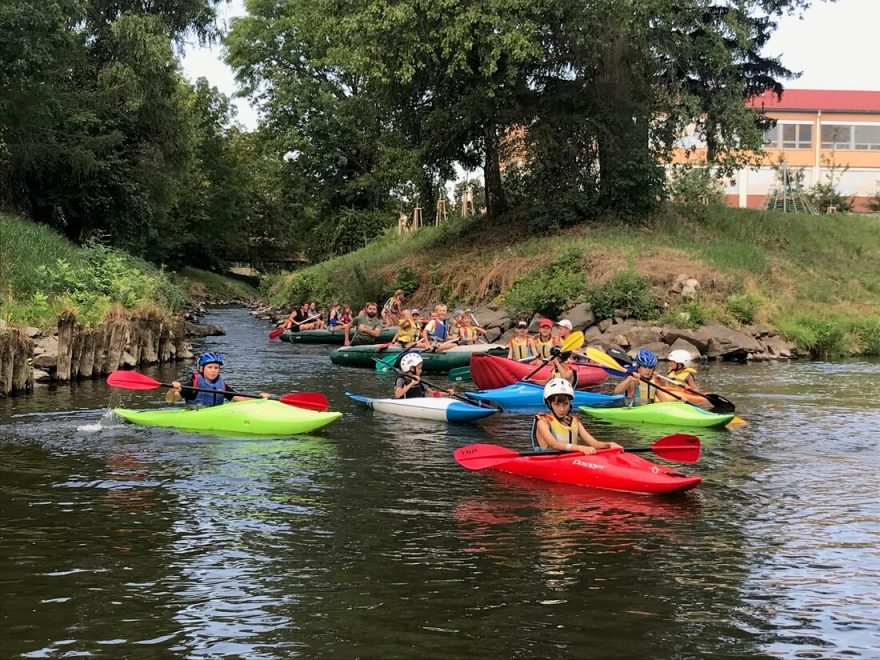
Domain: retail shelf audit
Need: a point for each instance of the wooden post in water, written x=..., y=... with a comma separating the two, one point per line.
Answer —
x=16, y=372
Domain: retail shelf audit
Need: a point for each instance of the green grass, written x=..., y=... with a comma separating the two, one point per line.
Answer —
x=43, y=274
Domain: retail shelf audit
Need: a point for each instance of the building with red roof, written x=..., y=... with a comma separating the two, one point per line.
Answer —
x=823, y=133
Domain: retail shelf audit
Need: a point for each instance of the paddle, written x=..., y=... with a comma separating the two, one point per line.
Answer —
x=680, y=447
x=131, y=380
x=607, y=361
x=460, y=373
x=473, y=402
x=719, y=403
x=573, y=342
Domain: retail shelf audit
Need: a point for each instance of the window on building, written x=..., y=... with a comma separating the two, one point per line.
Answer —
x=797, y=136
x=837, y=136
x=789, y=136
x=867, y=137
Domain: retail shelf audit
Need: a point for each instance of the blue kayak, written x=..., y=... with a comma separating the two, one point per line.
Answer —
x=530, y=394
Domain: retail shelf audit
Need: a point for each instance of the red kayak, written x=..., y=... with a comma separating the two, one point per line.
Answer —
x=491, y=372
x=610, y=469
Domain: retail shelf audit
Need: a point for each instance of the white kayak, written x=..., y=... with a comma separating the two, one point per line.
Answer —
x=441, y=409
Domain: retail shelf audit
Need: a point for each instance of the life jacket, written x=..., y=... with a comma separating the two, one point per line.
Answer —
x=521, y=349
x=438, y=330
x=468, y=334
x=416, y=391
x=207, y=398
x=645, y=392
x=558, y=429
x=345, y=317
x=545, y=346
x=682, y=374
x=409, y=335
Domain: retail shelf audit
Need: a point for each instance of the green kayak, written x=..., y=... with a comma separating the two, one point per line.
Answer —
x=327, y=337
x=438, y=362
x=674, y=413
x=256, y=417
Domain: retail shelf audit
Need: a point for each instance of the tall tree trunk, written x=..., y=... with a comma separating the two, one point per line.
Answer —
x=496, y=201
x=428, y=196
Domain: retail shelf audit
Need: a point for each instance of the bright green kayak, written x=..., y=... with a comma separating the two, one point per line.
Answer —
x=438, y=362
x=256, y=417
x=674, y=413
x=328, y=337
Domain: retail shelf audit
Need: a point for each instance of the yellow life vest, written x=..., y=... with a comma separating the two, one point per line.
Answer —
x=409, y=335
x=521, y=349
x=545, y=346
x=646, y=393
x=468, y=334
x=564, y=430
x=682, y=374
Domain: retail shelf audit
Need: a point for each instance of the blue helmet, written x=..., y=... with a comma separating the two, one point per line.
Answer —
x=209, y=357
x=646, y=359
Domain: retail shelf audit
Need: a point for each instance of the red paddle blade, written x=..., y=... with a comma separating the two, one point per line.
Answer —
x=679, y=447
x=277, y=332
x=132, y=380
x=307, y=400
x=482, y=456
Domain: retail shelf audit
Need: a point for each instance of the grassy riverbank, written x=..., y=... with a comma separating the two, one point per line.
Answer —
x=43, y=274
x=816, y=278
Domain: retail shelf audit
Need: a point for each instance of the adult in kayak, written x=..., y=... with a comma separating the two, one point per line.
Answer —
x=367, y=326
x=559, y=429
x=206, y=378
x=299, y=319
x=521, y=346
x=410, y=386
x=639, y=385
x=680, y=370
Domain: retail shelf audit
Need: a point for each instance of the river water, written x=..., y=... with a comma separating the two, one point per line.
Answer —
x=367, y=539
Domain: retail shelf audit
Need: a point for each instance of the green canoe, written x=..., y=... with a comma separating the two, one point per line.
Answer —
x=674, y=413
x=255, y=417
x=438, y=362
x=326, y=337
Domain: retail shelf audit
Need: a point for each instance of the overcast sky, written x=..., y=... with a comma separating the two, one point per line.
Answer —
x=835, y=45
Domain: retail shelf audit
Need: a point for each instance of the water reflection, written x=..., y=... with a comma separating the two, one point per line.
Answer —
x=367, y=539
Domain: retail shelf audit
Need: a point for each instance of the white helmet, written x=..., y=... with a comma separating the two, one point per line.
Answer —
x=410, y=361
x=680, y=356
x=558, y=386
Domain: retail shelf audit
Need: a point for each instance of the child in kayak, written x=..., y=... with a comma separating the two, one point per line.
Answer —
x=409, y=333
x=521, y=346
x=638, y=385
x=409, y=385
x=680, y=370
x=545, y=341
x=392, y=308
x=559, y=429
x=468, y=333
x=436, y=332
x=206, y=378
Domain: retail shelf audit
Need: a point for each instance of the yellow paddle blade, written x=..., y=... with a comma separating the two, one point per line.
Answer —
x=573, y=342
x=736, y=421
x=604, y=359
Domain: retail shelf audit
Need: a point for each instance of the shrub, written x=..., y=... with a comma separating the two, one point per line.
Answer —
x=692, y=315
x=625, y=294
x=819, y=337
x=695, y=186
x=549, y=291
x=407, y=279
x=743, y=307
